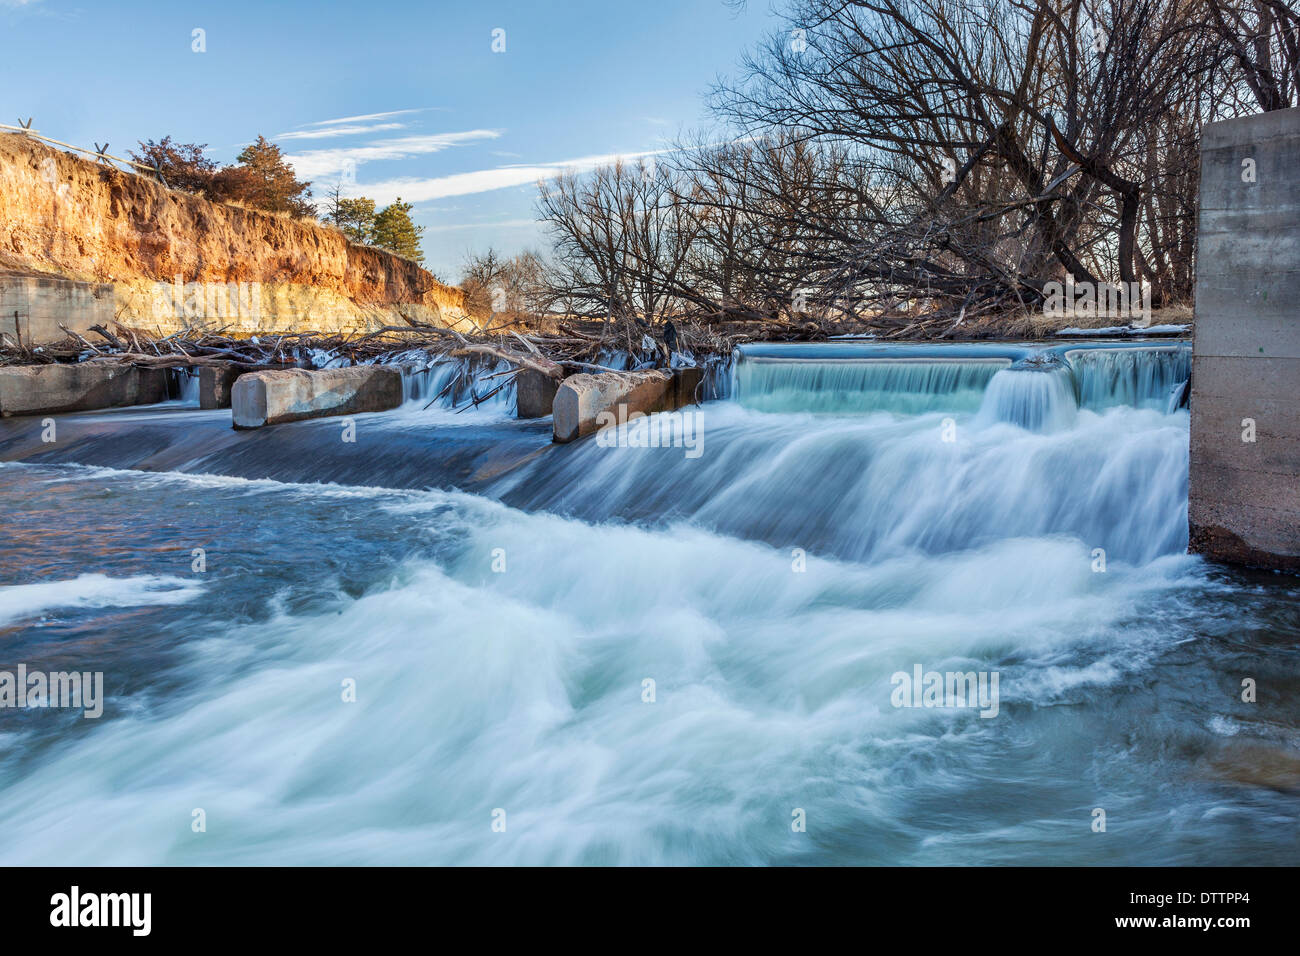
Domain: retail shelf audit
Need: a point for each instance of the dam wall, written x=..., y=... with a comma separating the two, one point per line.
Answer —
x=32, y=307
x=1244, y=494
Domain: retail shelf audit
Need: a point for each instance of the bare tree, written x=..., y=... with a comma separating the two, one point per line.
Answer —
x=1263, y=38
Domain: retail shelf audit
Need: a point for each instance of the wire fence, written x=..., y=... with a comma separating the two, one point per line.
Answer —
x=101, y=153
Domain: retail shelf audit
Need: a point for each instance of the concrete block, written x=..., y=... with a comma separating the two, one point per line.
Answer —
x=270, y=398
x=215, y=385
x=47, y=389
x=581, y=398
x=534, y=394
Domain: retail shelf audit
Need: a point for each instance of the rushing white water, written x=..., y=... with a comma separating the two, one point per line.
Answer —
x=770, y=589
x=1034, y=394
x=26, y=601
x=523, y=691
x=864, y=487
x=1132, y=377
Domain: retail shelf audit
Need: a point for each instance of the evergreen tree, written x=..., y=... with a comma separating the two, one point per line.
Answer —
x=395, y=231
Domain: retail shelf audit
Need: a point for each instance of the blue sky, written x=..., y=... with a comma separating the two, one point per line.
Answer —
x=408, y=97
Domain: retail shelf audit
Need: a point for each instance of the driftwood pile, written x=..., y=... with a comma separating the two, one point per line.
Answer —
x=569, y=348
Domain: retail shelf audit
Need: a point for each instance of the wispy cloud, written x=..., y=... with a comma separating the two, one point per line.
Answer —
x=329, y=132
x=320, y=164
x=367, y=117
x=415, y=189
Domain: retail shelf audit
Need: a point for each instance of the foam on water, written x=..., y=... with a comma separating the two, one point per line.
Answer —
x=523, y=691
x=20, y=602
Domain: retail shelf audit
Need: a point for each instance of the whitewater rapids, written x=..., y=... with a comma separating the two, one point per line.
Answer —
x=500, y=642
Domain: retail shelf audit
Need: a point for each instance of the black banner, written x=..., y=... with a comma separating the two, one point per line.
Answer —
x=335, y=905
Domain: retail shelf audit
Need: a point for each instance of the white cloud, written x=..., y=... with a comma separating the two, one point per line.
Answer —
x=415, y=189
x=332, y=131
x=366, y=117
x=323, y=164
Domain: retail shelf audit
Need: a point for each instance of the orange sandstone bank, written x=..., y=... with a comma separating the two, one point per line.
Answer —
x=82, y=241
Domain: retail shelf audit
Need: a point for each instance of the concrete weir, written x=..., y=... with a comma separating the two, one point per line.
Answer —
x=1244, y=495
x=580, y=399
x=270, y=398
x=50, y=389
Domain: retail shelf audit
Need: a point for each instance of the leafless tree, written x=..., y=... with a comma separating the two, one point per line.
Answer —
x=888, y=157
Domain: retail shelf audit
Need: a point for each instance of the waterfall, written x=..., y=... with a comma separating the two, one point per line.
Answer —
x=643, y=656
x=183, y=385
x=448, y=383
x=1142, y=377
x=909, y=379
x=905, y=386
x=1037, y=393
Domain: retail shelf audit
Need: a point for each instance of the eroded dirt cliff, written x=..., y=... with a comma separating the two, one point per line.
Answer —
x=172, y=257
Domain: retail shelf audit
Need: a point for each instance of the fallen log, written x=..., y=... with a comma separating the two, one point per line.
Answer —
x=538, y=363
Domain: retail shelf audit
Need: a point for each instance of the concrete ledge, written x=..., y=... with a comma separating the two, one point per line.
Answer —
x=47, y=389
x=1220, y=544
x=270, y=398
x=580, y=399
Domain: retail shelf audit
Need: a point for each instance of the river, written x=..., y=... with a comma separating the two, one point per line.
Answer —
x=451, y=642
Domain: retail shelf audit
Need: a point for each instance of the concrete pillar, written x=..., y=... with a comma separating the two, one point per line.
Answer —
x=1244, y=496
x=534, y=394
x=581, y=399
x=215, y=385
x=269, y=398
